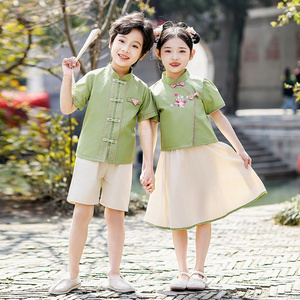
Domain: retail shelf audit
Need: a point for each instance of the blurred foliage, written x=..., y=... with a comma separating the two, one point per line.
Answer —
x=291, y=11
x=290, y=214
x=33, y=32
x=38, y=155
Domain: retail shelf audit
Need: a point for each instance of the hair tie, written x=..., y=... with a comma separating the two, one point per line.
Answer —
x=157, y=33
x=191, y=31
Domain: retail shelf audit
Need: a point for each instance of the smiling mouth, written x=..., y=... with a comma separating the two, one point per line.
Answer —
x=175, y=64
x=123, y=56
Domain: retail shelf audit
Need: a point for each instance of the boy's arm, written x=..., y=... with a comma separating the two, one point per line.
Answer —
x=146, y=138
x=154, y=125
x=66, y=104
x=227, y=130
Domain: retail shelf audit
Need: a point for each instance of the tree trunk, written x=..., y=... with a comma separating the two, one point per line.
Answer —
x=233, y=78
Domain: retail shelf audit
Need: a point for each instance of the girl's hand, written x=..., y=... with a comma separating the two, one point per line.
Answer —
x=246, y=158
x=147, y=179
x=70, y=63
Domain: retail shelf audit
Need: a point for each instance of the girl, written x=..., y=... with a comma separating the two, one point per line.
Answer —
x=198, y=179
x=106, y=145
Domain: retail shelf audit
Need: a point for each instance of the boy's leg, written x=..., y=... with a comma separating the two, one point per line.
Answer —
x=115, y=239
x=82, y=216
x=115, y=244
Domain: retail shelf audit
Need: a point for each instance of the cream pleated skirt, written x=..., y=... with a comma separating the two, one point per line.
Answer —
x=200, y=184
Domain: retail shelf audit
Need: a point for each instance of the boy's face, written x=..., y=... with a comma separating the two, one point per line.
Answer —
x=126, y=50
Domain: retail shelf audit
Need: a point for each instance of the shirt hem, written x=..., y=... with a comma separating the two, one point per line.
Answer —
x=148, y=115
x=91, y=158
x=189, y=145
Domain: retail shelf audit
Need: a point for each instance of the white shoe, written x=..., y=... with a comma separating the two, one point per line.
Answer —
x=179, y=283
x=65, y=285
x=120, y=285
x=197, y=281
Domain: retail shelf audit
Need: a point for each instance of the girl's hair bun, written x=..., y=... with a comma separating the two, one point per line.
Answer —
x=169, y=24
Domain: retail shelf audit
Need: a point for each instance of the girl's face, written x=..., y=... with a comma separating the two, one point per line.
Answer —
x=126, y=50
x=175, y=55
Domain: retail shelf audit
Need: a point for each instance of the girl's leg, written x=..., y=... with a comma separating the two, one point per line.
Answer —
x=203, y=235
x=115, y=239
x=82, y=216
x=198, y=279
x=180, y=241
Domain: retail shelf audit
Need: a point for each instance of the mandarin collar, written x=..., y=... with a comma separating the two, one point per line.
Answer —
x=113, y=74
x=170, y=81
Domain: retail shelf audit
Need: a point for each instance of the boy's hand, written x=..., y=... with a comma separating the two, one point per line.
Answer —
x=70, y=63
x=147, y=179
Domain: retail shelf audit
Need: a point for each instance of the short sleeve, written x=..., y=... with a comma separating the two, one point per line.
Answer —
x=82, y=91
x=156, y=118
x=212, y=100
x=148, y=108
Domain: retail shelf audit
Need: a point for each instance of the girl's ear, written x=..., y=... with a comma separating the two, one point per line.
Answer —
x=157, y=53
x=192, y=54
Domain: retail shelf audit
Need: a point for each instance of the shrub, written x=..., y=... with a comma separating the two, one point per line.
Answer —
x=290, y=214
x=41, y=153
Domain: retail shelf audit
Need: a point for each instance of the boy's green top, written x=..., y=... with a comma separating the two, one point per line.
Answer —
x=183, y=108
x=108, y=131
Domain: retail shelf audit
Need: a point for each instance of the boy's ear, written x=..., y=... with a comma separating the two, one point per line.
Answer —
x=157, y=53
x=192, y=54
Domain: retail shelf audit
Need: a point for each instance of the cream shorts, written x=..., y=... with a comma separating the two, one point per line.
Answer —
x=90, y=176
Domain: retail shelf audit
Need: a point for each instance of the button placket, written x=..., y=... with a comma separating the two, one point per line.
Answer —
x=113, y=121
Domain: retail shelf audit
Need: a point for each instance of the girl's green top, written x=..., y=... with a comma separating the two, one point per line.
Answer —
x=183, y=108
x=114, y=105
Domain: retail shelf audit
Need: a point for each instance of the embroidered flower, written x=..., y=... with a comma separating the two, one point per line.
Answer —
x=179, y=101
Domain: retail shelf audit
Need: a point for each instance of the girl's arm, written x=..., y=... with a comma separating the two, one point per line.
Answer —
x=146, y=137
x=66, y=104
x=226, y=129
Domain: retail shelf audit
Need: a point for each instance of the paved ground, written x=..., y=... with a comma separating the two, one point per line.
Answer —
x=249, y=258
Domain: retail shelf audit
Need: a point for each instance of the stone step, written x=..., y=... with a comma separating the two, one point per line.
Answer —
x=265, y=158
x=264, y=161
x=273, y=164
x=276, y=172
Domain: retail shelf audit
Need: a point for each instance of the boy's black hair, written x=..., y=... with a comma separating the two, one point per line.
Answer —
x=134, y=20
x=171, y=30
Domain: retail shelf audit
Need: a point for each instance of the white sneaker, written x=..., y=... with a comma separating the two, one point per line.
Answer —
x=197, y=281
x=120, y=285
x=179, y=283
x=65, y=285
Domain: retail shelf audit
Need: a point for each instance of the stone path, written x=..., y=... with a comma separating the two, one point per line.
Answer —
x=249, y=258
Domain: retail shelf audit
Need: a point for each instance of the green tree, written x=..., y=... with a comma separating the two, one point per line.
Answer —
x=291, y=11
x=32, y=31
